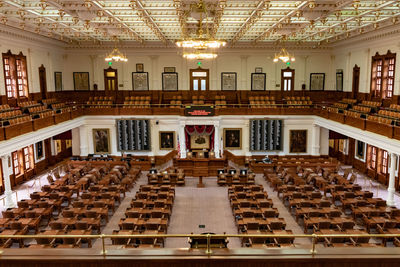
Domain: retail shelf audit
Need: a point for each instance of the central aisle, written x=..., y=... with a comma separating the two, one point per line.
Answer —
x=207, y=206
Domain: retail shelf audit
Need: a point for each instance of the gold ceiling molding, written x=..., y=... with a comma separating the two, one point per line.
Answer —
x=236, y=21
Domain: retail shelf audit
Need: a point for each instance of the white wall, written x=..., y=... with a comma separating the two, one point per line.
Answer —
x=172, y=123
x=360, y=53
x=36, y=54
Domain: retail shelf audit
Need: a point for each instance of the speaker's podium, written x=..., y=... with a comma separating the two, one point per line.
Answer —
x=200, y=169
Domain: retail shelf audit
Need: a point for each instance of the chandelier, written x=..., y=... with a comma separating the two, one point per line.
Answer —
x=203, y=41
x=284, y=56
x=116, y=56
x=199, y=55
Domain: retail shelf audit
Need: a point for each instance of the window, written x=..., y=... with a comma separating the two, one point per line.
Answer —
x=384, y=168
x=7, y=78
x=372, y=157
x=15, y=75
x=199, y=79
x=382, y=75
x=17, y=169
x=287, y=80
x=27, y=158
x=390, y=79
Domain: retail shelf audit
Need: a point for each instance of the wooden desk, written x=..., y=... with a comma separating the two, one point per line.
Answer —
x=211, y=165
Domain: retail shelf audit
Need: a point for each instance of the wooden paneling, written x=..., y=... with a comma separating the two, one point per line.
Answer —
x=379, y=128
x=18, y=129
x=43, y=122
x=229, y=258
x=160, y=160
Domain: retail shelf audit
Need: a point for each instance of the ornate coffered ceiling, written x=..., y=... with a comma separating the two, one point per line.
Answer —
x=162, y=22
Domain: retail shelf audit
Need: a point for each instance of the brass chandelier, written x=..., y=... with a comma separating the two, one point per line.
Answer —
x=116, y=55
x=199, y=47
x=284, y=56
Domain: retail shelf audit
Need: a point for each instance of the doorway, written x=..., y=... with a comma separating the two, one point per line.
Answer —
x=356, y=81
x=42, y=81
x=110, y=80
x=199, y=79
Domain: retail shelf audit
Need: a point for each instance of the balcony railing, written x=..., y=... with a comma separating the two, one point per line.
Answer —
x=208, y=248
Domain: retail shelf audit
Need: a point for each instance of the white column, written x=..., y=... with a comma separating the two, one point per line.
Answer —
x=216, y=140
x=246, y=138
x=324, y=141
x=182, y=142
x=315, y=140
x=7, y=183
x=154, y=138
x=154, y=74
x=83, y=139
x=390, y=200
x=93, y=76
x=76, y=149
x=243, y=75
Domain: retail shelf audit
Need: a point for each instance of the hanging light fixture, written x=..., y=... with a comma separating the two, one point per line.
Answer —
x=199, y=55
x=284, y=56
x=203, y=41
x=116, y=55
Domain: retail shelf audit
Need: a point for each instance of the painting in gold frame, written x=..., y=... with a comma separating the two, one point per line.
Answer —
x=101, y=141
x=298, y=141
x=200, y=141
x=232, y=138
x=167, y=140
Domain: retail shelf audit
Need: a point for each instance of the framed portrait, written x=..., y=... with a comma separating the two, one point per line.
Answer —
x=360, y=149
x=58, y=81
x=140, y=81
x=228, y=81
x=167, y=140
x=298, y=141
x=169, y=69
x=58, y=146
x=339, y=80
x=258, y=81
x=170, y=81
x=232, y=138
x=101, y=141
x=39, y=150
x=68, y=143
x=200, y=141
x=258, y=70
x=139, y=67
x=81, y=81
x=317, y=81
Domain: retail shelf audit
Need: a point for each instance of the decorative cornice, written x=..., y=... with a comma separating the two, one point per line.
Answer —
x=25, y=36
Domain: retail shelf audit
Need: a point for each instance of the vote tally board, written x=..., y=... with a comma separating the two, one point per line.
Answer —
x=133, y=135
x=266, y=135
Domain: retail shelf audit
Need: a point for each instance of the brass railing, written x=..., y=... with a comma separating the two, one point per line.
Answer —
x=314, y=238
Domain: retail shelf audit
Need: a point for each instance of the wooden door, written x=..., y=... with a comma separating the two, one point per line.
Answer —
x=356, y=81
x=47, y=150
x=199, y=79
x=43, y=81
x=110, y=81
x=287, y=80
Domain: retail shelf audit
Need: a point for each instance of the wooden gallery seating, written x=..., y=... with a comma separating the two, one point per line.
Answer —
x=78, y=203
x=254, y=214
x=148, y=214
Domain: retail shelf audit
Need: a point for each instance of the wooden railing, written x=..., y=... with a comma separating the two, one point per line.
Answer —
x=208, y=246
x=387, y=130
